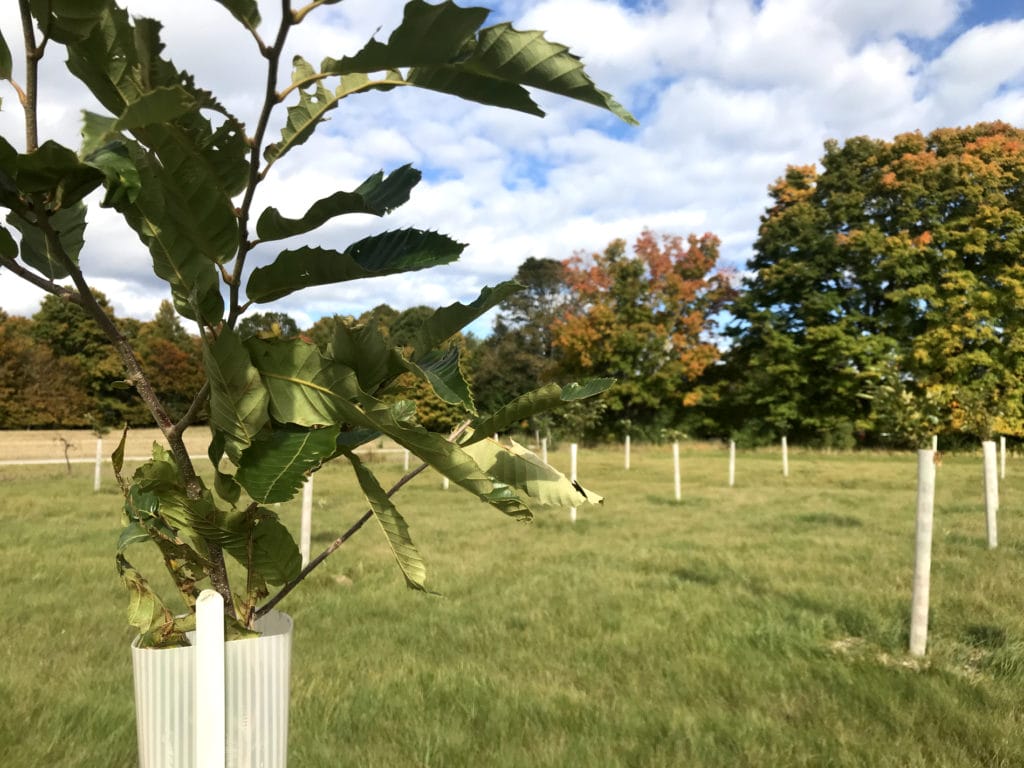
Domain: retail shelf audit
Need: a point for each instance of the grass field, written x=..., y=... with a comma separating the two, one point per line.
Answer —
x=761, y=625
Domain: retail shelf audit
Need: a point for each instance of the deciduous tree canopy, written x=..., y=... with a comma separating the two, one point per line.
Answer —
x=891, y=275
x=647, y=320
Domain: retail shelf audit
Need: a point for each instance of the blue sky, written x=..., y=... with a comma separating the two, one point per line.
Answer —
x=728, y=93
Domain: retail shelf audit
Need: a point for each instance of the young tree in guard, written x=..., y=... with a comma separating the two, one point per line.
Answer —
x=183, y=171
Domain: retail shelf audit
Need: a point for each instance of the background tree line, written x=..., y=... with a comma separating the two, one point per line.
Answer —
x=883, y=304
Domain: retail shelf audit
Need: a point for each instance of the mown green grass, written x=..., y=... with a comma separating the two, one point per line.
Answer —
x=761, y=625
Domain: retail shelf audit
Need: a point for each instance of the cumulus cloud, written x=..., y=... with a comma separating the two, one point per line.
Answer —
x=728, y=92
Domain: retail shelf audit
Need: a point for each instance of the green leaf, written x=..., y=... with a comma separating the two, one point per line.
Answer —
x=304, y=387
x=443, y=371
x=122, y=176
x=376, y=196
x=447, y=321
x=6, y=63
x=224, y=484
x=67, y=20
x=389, y=253
x=546, y=398
x=146, y=612
x=133, y=533
x=520, y=58
x=428, y=34
x=160, y=105
x=275, y=555
x=588, y=388
x=544, y=485
x=365, y=350
x=56, y=171
x=117, y=457
x=307, y=389
x=303, y=118
x=471, y=86
x=8, y=248
x=276, y=465
x=246, y=11
x=39, y=253
x=189, y=170
x=238, y=399
x=393, y=524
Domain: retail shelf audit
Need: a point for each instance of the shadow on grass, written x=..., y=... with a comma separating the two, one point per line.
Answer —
x=985, y=636
x=825, y=518
x=696, y=575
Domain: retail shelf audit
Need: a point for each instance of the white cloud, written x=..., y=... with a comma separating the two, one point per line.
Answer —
x=973, y=69
x=728, y=91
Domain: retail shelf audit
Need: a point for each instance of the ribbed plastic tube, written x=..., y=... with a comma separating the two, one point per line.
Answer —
x=256, y=692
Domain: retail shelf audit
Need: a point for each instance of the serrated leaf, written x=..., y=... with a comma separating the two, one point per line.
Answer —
x=276, y=465
x=541, y=400
x=471, y=86
x=544, y=485
x=160, y=105
x=588, y=388
x=396, y=531
x=376, y=196
x=522, y=58
x=303, y=118
x=39, y=253
x=390, y=253
x=246, y=11
x=238, y=399
x=447, y=321
x=428, y=34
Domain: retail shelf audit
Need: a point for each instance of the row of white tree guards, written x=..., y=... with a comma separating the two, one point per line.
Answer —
x=209, y=608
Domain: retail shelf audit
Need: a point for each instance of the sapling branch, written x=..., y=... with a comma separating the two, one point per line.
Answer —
x=32, y=56
x=39, y=281
x=269, y=102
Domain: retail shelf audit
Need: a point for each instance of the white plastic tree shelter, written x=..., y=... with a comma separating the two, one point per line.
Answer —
x=785, y=457
x=573, y=452
x=988, y=450
x=1002, y=457
x=306, y=529
x=99, y=464
x=405, y=461
x=732, y=463
x=935, y=442
x=544, y=450
x=676, y=477
x=627, y=452
x=209, y=683
x=922, y=552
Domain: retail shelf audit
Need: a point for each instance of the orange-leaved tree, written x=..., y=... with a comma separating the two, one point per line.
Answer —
x=647, y=319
